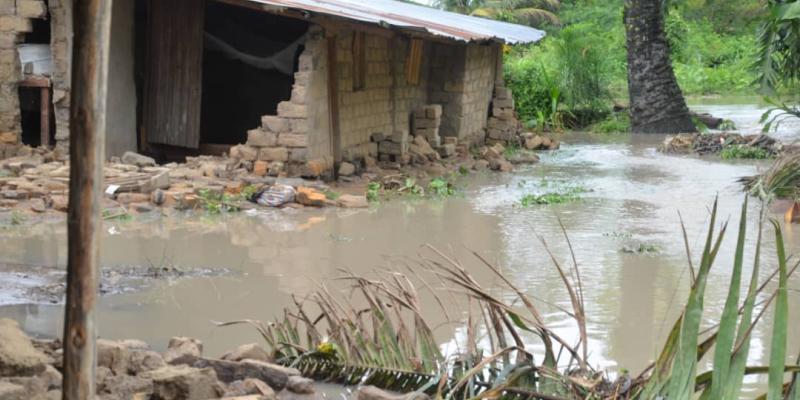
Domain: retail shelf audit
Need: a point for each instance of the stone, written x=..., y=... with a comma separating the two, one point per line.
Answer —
x=554, y=145
x=260, y=168
x=275, y=376
x=184, y=383
x=501, y=92
x=301, y=385
x=275, y=124
x=533, y=143
x=123, y=386
x=450, y=140
x=310, y=197
x=31, y=8
x=13, y=391
x=18, y=357
x=293, y=140
x=183, y=350
x=51, y=377
x=523, y=157
x=500, y=164
x=142, y=208
x=260, y=138
x=346, y=169
x=128, y=198
x=374, y=393
x=447, y=150
x=244, y=152
x=273, y=154
x=298, y=155
x=250, y=387
x=141, y=360
x=481, y=165
x=137, y=159
x=298, y=125
x=252, y=351
x=288, y=109
x=112, y=355
x=352, y=201
x=275, y=168
x=59, y=203
x=315, y=168
x=8, y=138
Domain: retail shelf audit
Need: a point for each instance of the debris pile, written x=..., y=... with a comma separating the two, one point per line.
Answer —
x=714, y=143
x=504, y=127
x=130, y=369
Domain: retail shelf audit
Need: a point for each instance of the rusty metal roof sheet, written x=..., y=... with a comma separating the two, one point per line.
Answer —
x=397, y=14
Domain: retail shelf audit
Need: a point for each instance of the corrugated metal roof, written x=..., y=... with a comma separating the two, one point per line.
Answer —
x=397, y=14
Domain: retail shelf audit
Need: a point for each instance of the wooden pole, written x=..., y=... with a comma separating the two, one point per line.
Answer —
x=92, y=19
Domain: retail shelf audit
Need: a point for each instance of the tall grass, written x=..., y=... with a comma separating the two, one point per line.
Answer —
x=381, y=338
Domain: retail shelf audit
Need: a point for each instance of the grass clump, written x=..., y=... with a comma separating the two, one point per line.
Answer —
x=441, y=187
x=216, y=203
x=739, y=151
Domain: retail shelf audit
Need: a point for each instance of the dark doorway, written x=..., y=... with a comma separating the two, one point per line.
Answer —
x=248, y=68
x=36, y=109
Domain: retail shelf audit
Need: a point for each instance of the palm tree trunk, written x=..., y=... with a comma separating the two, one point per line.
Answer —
x=657, y=103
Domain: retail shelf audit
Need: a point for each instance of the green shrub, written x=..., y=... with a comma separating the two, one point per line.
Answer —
x=739, y=151
x=615, y=123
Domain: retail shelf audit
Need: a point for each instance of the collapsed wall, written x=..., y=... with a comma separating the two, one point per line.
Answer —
x=16, y=18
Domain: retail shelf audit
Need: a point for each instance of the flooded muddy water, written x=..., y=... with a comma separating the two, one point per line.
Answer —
x=625, y=230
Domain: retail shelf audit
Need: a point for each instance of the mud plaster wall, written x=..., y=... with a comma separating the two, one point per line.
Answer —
x=61, y=48
x=318, y=122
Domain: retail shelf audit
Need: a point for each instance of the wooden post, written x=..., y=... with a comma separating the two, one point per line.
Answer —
x=92, y=27
x=45, y=117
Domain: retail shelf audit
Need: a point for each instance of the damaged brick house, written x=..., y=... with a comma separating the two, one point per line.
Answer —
x=307, y=83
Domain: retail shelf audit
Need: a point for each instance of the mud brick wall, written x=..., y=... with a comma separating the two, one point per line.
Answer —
x=462, y=79
x=15, y=21
x=61, y=48
x=387, y=100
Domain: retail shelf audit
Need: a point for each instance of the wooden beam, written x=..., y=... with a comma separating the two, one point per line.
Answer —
x=44, y=122
x=92, y=26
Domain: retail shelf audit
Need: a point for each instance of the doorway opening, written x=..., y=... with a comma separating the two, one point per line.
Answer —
x=249, y=60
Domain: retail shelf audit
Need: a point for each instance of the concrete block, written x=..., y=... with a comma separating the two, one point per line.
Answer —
x=273, y=154
x=298, y=125
x=31, y=9
x=260, y=138
x=400, y=136
x=274, y=123
x=503, y=103
x=10, y=23
x=501, y=92
x=299, y=94
x=298, y=155
x=433, y=111
x=392, y=148
x=424, y=123
x=503, y=113
x=293, y=140
x=288, y=109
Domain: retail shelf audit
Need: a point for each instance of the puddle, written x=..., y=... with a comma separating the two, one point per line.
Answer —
x=632, y=199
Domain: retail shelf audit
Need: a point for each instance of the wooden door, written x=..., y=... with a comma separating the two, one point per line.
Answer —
x=174, y=72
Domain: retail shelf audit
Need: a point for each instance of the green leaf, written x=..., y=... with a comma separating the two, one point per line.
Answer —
x=727, y=326
x=777, y=356
x=789, y=11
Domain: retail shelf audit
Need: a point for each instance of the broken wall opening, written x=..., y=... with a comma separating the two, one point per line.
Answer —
x=249, y=62
x=35, y=90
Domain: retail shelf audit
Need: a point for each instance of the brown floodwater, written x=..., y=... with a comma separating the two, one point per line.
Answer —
x=632, y=198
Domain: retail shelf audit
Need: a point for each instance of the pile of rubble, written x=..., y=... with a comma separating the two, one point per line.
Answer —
x=39, y=183
x=714, y=143
x=130, y=369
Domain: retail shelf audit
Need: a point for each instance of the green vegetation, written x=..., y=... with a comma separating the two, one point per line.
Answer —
x=388, y=343
x=573, y=74
x=18, y=218
x=118, y=214
x=615, y=123
x=331, y=194
x=739, y=151
x=563, y=195
x=440, y=187
x=374, y=191
x=216, y=202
